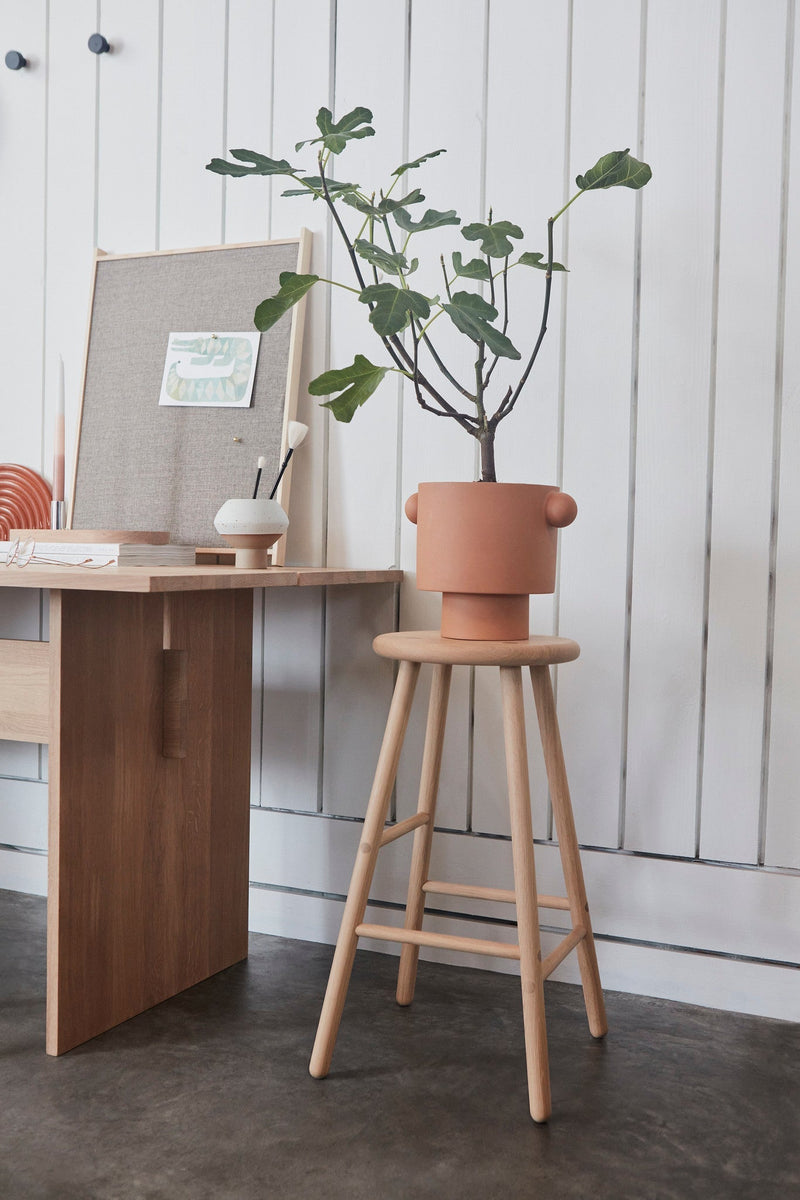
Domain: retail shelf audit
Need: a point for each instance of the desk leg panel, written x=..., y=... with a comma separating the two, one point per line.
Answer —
x=148, y=854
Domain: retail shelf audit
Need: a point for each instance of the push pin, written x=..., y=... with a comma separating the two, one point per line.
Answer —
x=237, y=439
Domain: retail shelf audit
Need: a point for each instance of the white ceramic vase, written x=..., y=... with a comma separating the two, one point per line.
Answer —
x=251, y=527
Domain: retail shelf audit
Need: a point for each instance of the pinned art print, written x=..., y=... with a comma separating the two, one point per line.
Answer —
x=209, y=370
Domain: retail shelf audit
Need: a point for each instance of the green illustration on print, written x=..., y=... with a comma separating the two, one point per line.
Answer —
x=209, y=369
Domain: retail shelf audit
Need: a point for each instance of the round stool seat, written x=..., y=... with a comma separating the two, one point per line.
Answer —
x=428, y=646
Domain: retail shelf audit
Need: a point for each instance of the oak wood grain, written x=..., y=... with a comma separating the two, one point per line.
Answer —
x=430, y=647
x=199, y=578
x=148, y=855
x=24, y=690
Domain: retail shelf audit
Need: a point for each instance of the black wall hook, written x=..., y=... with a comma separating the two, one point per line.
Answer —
x=98, y=44
x=15, y=61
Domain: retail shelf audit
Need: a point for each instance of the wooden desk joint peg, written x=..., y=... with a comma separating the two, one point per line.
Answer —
x=175, y=693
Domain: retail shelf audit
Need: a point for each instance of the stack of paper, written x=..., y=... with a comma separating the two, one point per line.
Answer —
x=128, y=554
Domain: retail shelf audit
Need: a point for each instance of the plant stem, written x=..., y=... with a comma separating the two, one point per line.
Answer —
x=442, y=366
x=340, y=226
x=446, y=281
x=486, y=431
x=566, y=206
x=509, y=402
x=335, y=283
x=466, y=421
x=496, y=359
x=389, y=237
x=394, y=346
x=488, y=469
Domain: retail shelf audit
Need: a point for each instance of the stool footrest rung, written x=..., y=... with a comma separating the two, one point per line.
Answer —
x=393, y=832
x=474, y=891
x=561, y=951
x=443, y=941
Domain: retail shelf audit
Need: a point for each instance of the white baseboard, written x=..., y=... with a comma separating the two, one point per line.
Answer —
x=709, y=981
x=23, y=872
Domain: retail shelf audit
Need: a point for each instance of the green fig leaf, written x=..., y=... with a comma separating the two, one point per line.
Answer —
x=493, y=238
x=336, y=134
x=617, y=169
x=293, y=288
x=380, y=258
x=393, y=307
x=384, y=206
x=409, y=166
x=531, y=259
x=356, y=384
x=335, y=189
x=431, y=219
x=259, y=164
x=471, y=315
x=476, y=269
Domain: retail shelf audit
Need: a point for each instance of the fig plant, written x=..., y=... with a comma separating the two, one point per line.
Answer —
x=382, y=227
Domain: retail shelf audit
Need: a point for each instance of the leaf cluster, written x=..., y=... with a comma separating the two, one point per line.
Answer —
x=379, y=254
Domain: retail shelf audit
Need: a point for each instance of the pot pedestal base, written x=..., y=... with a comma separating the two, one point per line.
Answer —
x=252, y=549
x=477, y=617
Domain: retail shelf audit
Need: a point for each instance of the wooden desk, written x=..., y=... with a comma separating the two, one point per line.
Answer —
x=143, y=693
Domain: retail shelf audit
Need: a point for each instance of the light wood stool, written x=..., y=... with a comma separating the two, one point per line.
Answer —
x=537, y=653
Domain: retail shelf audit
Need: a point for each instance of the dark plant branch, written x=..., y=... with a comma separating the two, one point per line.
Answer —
x=508, y=404
x=466, y=421
x=394, y=346
x=446, y=280
x=388, y=229
x=443, y=367
x=496, y=359
x=479, y=385
x=339, y=225
x=495, y=420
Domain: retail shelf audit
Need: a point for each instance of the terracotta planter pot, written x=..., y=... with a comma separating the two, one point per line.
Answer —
x=486, y=547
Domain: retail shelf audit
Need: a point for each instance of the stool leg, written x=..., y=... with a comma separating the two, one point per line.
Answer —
x=568, y=847
x=525, y=888
x=423, y=836
x=363, y=869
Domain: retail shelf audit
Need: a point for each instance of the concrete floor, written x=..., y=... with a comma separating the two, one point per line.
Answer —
x=208, y=1095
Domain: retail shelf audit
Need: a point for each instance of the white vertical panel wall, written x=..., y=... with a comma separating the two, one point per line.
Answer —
x=744, y=447
x=666, y=400
x=22, y=255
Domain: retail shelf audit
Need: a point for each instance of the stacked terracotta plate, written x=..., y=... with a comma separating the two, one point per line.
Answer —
x=24, y=499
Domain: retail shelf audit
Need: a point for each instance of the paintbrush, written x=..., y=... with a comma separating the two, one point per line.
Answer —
x=262, y=462
x=296, y=435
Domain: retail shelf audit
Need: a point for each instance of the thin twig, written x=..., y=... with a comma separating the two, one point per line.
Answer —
x=446, y=280
x=394, y=346
x=465, y=420
x=505, y=408
x=496, y=359
x=443, y=368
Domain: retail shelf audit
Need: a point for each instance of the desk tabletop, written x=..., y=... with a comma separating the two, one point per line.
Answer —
x=185, y=579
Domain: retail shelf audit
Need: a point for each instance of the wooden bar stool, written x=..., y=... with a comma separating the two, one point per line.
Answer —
x=537, y=653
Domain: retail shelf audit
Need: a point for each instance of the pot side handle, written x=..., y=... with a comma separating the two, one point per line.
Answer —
x=411, y=507
x=560, y=509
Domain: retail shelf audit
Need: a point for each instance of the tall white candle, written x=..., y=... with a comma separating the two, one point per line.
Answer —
x=58, y=443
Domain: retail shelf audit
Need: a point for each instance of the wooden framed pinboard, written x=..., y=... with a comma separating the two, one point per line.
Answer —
x=139, y=465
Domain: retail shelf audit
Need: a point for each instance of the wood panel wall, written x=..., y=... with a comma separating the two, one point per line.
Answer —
x=666, y=400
